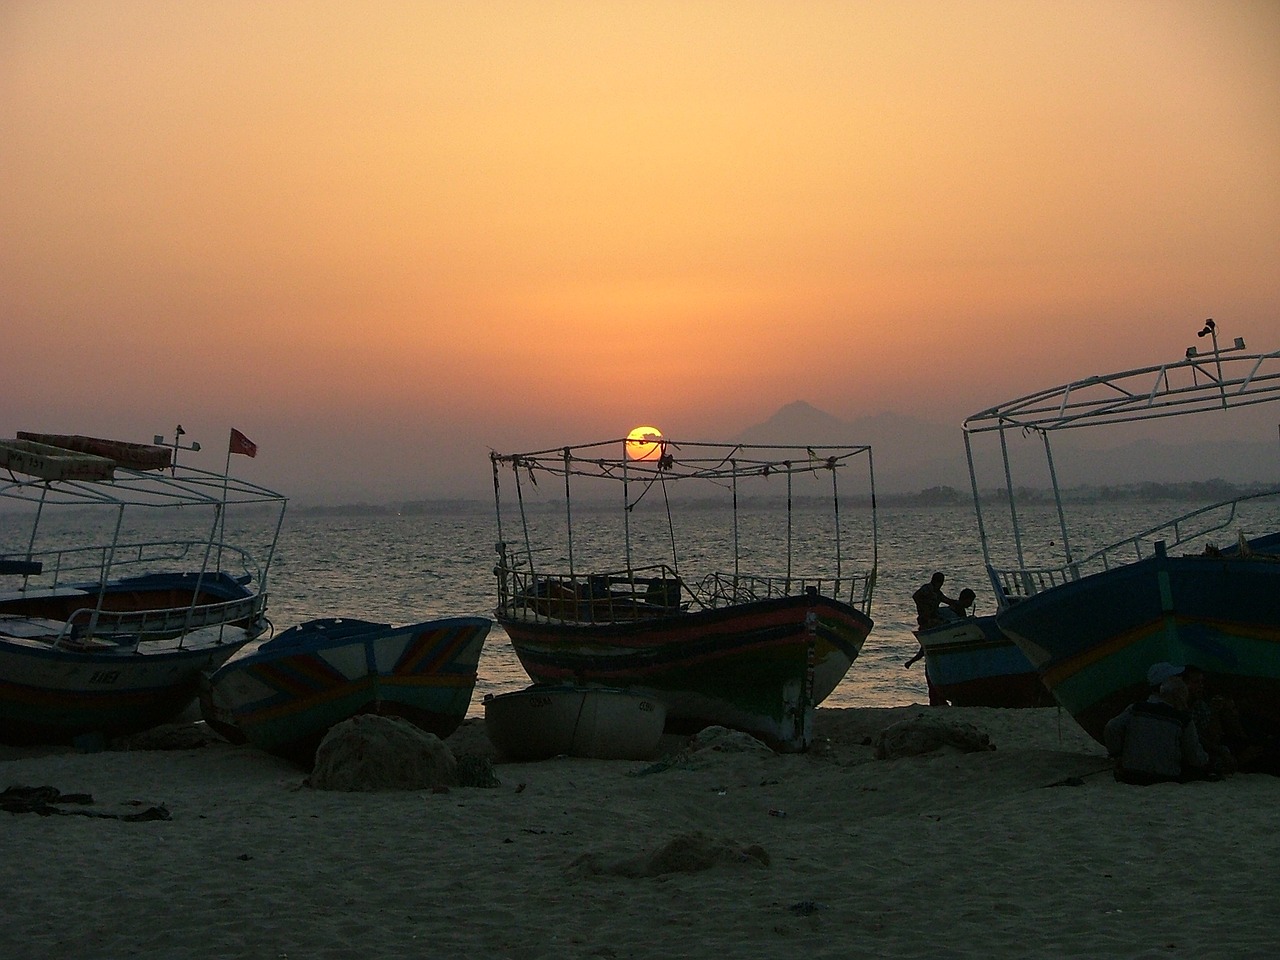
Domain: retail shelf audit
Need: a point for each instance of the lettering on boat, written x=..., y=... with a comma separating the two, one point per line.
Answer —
x=104, y=676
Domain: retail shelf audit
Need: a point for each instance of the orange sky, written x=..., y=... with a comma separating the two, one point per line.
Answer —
x=415, y=231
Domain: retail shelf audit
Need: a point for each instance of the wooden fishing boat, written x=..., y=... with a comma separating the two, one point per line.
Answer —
x=972, y=663
x=755, y=651
x=1199, y=589
x=284, y=695
x=105, y=624
x=594, y=722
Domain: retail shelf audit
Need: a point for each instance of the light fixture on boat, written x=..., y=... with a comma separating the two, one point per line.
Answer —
x=644, y=443
x=1211, y=329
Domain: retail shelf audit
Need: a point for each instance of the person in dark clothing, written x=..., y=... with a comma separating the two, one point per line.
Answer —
x=1236, y=737
x=934, y=608
x=1156, y=741
x=928, y=599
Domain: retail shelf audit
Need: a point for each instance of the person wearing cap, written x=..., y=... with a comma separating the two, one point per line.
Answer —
x=1156, y=741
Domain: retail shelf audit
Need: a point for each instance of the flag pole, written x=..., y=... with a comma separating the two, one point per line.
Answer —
x=237, y=442
x=222, y=509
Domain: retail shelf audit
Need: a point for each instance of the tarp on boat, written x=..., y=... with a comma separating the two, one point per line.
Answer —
x=134, y=456
x=53, y=463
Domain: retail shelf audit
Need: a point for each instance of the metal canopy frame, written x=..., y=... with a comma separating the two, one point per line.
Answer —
x=674, y=462
x=1219, y=379
x=128, y=492
x=1196, y=384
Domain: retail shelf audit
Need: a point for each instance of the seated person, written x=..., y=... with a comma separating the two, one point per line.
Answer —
x=957, y=609
x=663, y=593
x=1155, y=741
x=1217, y=722
x=1236, y=736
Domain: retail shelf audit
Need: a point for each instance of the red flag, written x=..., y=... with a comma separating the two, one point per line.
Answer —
x=242, y=444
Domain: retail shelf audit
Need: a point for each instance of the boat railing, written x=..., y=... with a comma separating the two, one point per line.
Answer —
x=641, y=593
x=62, y=566
x=1013, y=584
x=90, y=624
x=727, y=590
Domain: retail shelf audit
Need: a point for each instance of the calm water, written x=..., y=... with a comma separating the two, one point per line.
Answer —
x=402, y=569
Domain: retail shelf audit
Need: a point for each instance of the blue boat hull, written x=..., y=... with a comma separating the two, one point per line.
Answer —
x=973, y=664
x=1093, y=639
x=285, y=695
x=56, y=696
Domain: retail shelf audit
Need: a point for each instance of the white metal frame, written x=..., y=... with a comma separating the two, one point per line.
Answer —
x=1219, y=379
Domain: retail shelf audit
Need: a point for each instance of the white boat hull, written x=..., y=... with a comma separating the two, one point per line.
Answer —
x=599, y=723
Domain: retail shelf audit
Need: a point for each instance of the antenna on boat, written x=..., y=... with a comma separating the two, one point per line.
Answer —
x=178, y=434
x=1210, y=329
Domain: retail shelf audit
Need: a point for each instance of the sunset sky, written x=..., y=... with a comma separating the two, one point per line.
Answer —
x=381, y=238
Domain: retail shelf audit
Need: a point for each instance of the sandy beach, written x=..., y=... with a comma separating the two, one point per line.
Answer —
x=1027, y=850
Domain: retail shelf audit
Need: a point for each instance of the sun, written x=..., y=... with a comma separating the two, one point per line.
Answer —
x=644, y=443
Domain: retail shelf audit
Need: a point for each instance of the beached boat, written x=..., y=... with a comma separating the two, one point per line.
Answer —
x=754, y=651
x=1200, y=588
x=284, y=695
x=120, y=583
x=595, y=722
x=972, y=663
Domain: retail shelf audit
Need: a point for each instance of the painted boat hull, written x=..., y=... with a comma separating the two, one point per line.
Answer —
x=1093, y=639
x=109, y=619
x=112, y=684
x=973, y=664
x=598, y=723
x=49, y=696
x=285, y=695
x=754, y=666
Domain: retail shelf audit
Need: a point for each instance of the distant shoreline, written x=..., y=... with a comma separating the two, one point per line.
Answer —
x=940, y=496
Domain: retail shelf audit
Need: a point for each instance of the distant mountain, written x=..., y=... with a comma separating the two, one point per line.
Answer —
x=912, y=454
x=909, y=454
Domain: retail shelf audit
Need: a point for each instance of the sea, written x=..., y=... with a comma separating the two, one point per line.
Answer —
x=400, y=568
x=405, y=568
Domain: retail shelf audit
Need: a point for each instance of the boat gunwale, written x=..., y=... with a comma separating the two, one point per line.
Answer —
x=1019, y=583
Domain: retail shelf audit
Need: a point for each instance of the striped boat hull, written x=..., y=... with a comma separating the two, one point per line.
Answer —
x=284, y=696
x=756, y=666
x=49, y=695
x=973, y=664
x=1093, y=639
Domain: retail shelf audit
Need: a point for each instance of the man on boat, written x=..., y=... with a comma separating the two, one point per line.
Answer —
x=934, y=608
x=930, y=599
x=1156, y=741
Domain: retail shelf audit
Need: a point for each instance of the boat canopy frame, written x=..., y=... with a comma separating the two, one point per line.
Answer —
x=128, y=491
x=1220, y=378
x=667, y=462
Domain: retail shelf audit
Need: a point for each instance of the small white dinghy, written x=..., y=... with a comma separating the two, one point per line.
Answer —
x=600, y=723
